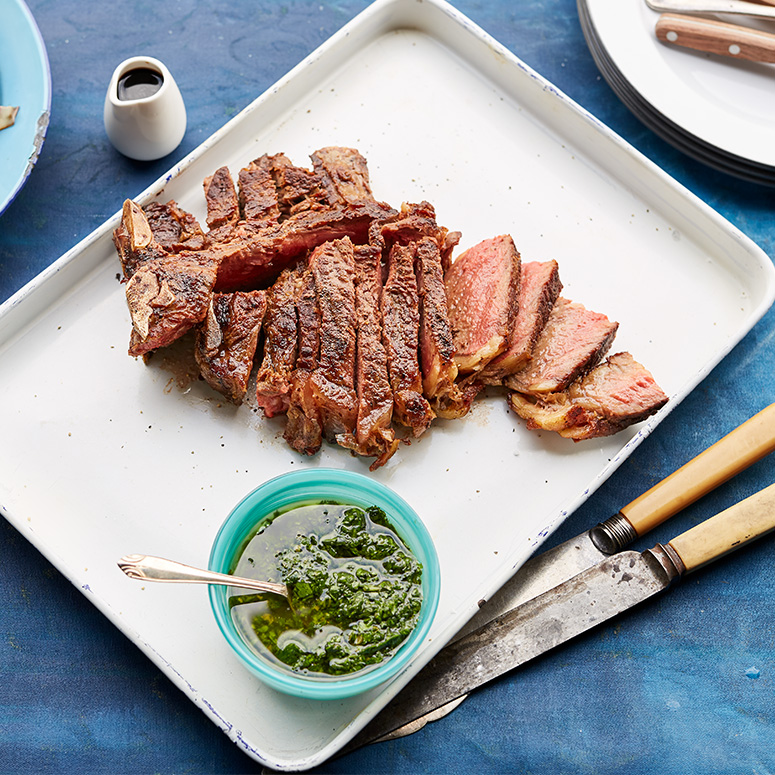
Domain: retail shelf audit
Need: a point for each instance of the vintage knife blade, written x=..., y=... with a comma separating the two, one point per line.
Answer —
x=733, y=453
x=590, y=598
x=739, y=449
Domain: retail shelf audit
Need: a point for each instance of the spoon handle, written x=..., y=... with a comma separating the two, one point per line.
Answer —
x=140, y=566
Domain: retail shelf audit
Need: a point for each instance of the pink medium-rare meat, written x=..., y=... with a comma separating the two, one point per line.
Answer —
x=573, y=341
x=374, y=435
x=258, y=257
x=539, y=289
x=273, y=380
x=482, y=287
x=614, y=395
x=221, y=199
x=401, y=324
x=226, y=341
x=167, y=297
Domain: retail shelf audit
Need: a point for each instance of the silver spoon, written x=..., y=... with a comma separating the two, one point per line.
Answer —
x=140, y=566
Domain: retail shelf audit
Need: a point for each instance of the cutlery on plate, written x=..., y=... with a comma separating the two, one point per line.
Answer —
x=734, y=452
x=612, y=586
x=715, y=37
x=739, y=7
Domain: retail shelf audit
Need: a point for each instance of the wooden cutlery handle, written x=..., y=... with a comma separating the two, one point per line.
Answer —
x=739, y=449
x=715, y=37
x=729, y=530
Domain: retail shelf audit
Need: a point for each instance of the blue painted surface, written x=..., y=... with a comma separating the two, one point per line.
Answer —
x=684, y=684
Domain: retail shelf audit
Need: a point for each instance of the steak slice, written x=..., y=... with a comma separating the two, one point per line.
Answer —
x=304, y=428
x=343, y=174
x=226, y=341
x=482, y=288
x=437, y=347
x=221, y=199
x=401, y=324
x=573, y=341
x=539, y=289
x=257, y=192
x=273, y=381
x=167, y=297
x=333, y=380
x=374, y=435
x=614, y=395
x=173, y=228
x=258, y=257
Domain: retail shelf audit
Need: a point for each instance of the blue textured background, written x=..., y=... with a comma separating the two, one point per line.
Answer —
x=681, y=685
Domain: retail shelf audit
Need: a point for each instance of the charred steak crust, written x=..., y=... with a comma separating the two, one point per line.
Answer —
x=374, y=435
x=227, y=339
x=401, y=325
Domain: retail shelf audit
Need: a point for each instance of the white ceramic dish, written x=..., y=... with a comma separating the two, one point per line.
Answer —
x=25, y=82
x=103, y=455
x=716, y=101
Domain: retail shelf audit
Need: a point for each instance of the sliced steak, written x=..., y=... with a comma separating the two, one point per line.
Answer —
x=297, y=188
x=539, y=289
x=257, y=192
x=167, y=297
x=482, y=288
x=573, y=341
x=333, y=379
x=374, y=435
x=437, y=347
x=343, y=174
x=226, y=341
x=273, y=381
x=614, y=395
x=257, y=258
x=304, y=426
x=401, y=325
x=221, y=199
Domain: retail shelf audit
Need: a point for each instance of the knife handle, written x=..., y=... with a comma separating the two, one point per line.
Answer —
x=739, y=449
x=728, y=530
x=714, y=37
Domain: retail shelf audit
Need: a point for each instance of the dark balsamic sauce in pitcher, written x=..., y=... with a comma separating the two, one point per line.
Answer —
x=139, y=83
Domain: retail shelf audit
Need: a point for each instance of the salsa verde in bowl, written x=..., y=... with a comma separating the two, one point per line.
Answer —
x=363, y=579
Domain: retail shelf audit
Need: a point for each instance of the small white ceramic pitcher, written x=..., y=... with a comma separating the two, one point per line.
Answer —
x=140, y=124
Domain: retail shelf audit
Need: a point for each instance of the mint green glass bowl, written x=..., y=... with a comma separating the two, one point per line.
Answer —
x=297, y=487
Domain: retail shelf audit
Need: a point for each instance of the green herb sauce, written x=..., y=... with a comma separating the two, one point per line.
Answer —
x=355, y=589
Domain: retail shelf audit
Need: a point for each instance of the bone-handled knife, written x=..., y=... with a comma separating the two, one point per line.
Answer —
x=716, y=37
x=590, y=598
x=733, y=453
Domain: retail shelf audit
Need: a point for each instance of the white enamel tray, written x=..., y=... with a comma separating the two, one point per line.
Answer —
x=103, y=455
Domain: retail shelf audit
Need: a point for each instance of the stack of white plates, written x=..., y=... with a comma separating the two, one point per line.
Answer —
x=719, y=110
